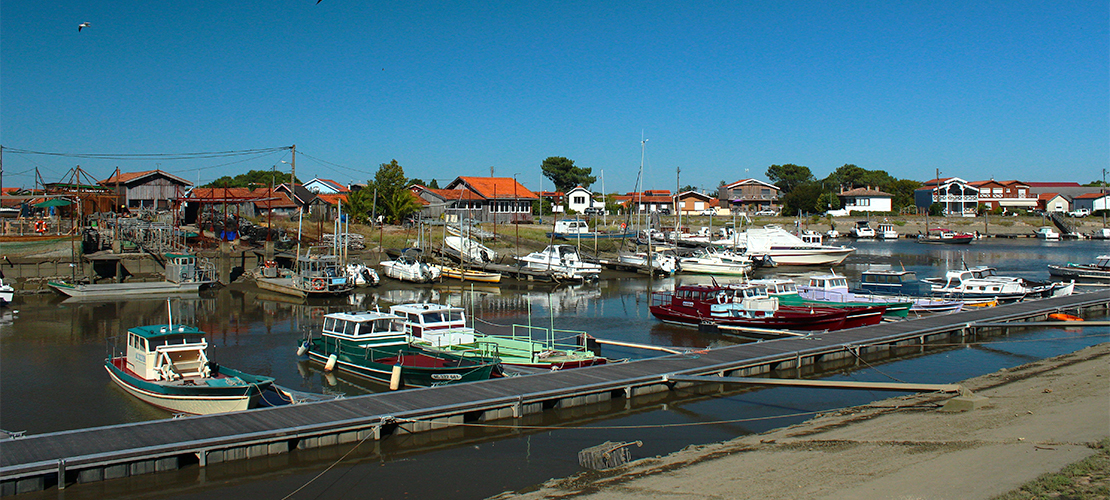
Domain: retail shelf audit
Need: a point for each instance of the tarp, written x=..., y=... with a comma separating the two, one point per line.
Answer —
x=54, y=202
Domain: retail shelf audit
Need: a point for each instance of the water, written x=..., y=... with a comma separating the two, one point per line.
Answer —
x=52, y=376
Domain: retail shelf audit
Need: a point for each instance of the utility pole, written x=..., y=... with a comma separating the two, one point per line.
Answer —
x=293, y=163
x=677, y=213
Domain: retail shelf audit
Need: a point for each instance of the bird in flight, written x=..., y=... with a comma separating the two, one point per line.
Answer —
x=83, y=25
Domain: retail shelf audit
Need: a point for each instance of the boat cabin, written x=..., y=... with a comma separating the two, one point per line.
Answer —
x=891, y=282
x=435, y=323
x=167, y=352
x=321, y=273
x=367, y=328
x=571, y=226
x=777, y=286
x=184, y=268
x=829, y=282
x=811, y=237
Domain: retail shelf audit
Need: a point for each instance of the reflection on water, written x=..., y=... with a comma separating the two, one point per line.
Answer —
x=52, y=376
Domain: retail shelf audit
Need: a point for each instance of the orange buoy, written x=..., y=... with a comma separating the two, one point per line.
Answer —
x=1064, y=317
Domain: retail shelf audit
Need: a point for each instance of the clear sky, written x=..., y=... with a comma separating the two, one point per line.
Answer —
x=1004, y=89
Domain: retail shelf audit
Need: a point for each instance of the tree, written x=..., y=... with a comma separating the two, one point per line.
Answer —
x=789, y=176
x=251, y=179
x=395, y=201
x=828, y=201
x=359, y=204
x=903, y=190
x=803, y=198
x=565, y=175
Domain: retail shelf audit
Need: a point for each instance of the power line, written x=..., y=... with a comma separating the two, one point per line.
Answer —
x=152, y=156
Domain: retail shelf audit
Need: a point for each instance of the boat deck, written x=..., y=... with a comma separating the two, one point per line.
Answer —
x=34, y=462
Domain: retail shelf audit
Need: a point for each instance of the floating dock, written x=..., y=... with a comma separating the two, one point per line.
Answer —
x=58, y=459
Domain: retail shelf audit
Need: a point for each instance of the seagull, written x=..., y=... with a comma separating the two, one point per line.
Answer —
x=85, y=24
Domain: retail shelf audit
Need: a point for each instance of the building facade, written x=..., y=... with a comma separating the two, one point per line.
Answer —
x=749, y=195
x=152, y=189
x=955, y=195
x=865, y=199
x=1011, y=195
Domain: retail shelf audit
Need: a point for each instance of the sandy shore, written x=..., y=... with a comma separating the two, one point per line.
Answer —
x=1041, y=417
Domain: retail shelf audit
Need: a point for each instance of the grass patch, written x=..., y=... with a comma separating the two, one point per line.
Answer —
x=1086, y=479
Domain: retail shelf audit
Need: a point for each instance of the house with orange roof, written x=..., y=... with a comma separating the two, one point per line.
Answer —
x=151, y=189
x=956, y=196
x=325, y=186
x=1091, y=201
x=749, y=196
x=865, y=199
x=1053, y=202
x=694, y=203
x=437, y=202
x=498, y=200
x=243, y=202
x=1009, y=195
x=652, y=200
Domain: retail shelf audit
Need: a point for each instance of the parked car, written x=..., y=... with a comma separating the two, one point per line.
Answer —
x=1082, y=212
x=709, y=211
x=767, y=212
x=594, y=211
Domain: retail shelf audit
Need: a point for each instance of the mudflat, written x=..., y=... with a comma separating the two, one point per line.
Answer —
x=1040, y=417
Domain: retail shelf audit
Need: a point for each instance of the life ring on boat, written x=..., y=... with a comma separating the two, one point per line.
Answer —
x=623, y=225
x=318, y=283
x=40, y=226
x=270, y=263
x=721, y=297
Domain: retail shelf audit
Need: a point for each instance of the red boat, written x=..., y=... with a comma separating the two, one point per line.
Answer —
x=750, y=306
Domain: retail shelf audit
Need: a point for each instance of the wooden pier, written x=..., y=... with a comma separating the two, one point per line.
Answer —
x=35, y=462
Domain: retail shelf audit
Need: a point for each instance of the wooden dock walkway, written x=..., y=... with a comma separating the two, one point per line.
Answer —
x=35, y=462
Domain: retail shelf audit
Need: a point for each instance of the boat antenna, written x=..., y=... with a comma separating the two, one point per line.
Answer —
x=169, y=314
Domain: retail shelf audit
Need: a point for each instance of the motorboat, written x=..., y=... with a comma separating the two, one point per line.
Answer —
x=710, y=261
x=661, y=261
x=784, y=248
x=375, y=345
x=886, y=231
x=185, y=273
x=1033, y=289
x=564, y=261
x=7, y=293
x=945, y=236
x=464, y=274
x=830, y=290
x=407, y=268
x=1097, y=271
x=315, y=276
x=1102, y=233
x=863, y=230
x=1047, y=233
x=899, y=285
x=168, y=366
x=749, y=306
x=443, y=327
x=571, y=229
x=468, y=250
x=964, y=285
x=362, y=275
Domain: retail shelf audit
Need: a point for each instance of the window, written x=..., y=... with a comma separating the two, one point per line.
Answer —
x=699, y=205
x=579, y=200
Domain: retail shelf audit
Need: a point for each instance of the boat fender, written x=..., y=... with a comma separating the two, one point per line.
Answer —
x=395, y=378
x=302, y=349
x=330, y=365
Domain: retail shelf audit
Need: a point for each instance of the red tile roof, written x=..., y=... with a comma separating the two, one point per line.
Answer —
x=498, y=187
x=125, y=177
x=333, y=199
x=1047, y=196
x=244, y=194
x=1092, y=196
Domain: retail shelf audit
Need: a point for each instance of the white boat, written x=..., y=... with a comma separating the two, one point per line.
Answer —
x=964, y=285
x=362, y=275
x=863, y=230
x=710, y=261
x=1102, y=233
x=469, y=250
x=1047, y=233
x=885, y=231
x=1032, y=289
x=664, y=262
x=832, y=234
x=785, y=248
x=563, y=260
x=7, y=293
x=184, y=274
x=406, y=268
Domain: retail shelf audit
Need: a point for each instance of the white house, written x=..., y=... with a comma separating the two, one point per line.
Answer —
x=865, y=200
x=580, y=198
x=325, y=186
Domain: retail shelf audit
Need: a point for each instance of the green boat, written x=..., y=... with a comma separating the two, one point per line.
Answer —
x=374, y=345
x=828, y=291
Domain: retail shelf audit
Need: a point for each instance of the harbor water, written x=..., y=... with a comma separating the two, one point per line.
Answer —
x=52, y=375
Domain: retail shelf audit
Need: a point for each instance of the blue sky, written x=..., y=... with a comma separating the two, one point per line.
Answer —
x=721, y=90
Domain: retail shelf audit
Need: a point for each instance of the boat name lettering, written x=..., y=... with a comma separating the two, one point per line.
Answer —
x=446, y=376
x=140, y=357
x=687, y=303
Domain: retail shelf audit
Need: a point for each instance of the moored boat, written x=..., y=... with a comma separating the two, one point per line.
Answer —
x=185, y=273
x=785, y=248
x=564, y=261
x=863, y=230
x=375, y=345
x=464, y=274
x=7, y=292
x=444, y=327
x=168, y=366
x=710, y=261
x=829, y=290
x=1097, y=271
x=467, y=250
x=945, y=236
x=407, y=268
x=316, y=276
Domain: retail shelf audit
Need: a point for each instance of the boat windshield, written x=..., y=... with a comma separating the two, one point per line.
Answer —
x=443, y=316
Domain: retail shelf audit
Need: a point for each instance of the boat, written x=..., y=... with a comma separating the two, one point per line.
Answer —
x=407, y=268
x=185, y=273
x=886, y=231
x=832, y=234
x=464, y=274
x=863, y=230
x=1097, y=271
x=467, y=250
x=7, y=293
x=710, y=261
x=784, y=248
x=363, y=275
x=1047, y=233
x=889, y=284
x=749, y=306
x=945, y=236
x=664, y=262
x=829, y=290
x=1102, y=233
x=1033, y=289
x=572, y=229
x=168, y=366
x=962, y=284
x=564, y=261
x=444, y=327
x=375, y=345
x=316, y=276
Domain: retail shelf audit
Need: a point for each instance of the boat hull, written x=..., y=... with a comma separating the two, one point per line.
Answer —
x=196, y=399
x=809, y=256
x=124, y=289
x=419, y=367
x=470, y=275
x=817, y=321
x=1085, y=273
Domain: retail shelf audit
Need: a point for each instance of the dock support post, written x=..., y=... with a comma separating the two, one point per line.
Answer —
x=518, y=407
x=202, y=458
x=61, y=473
